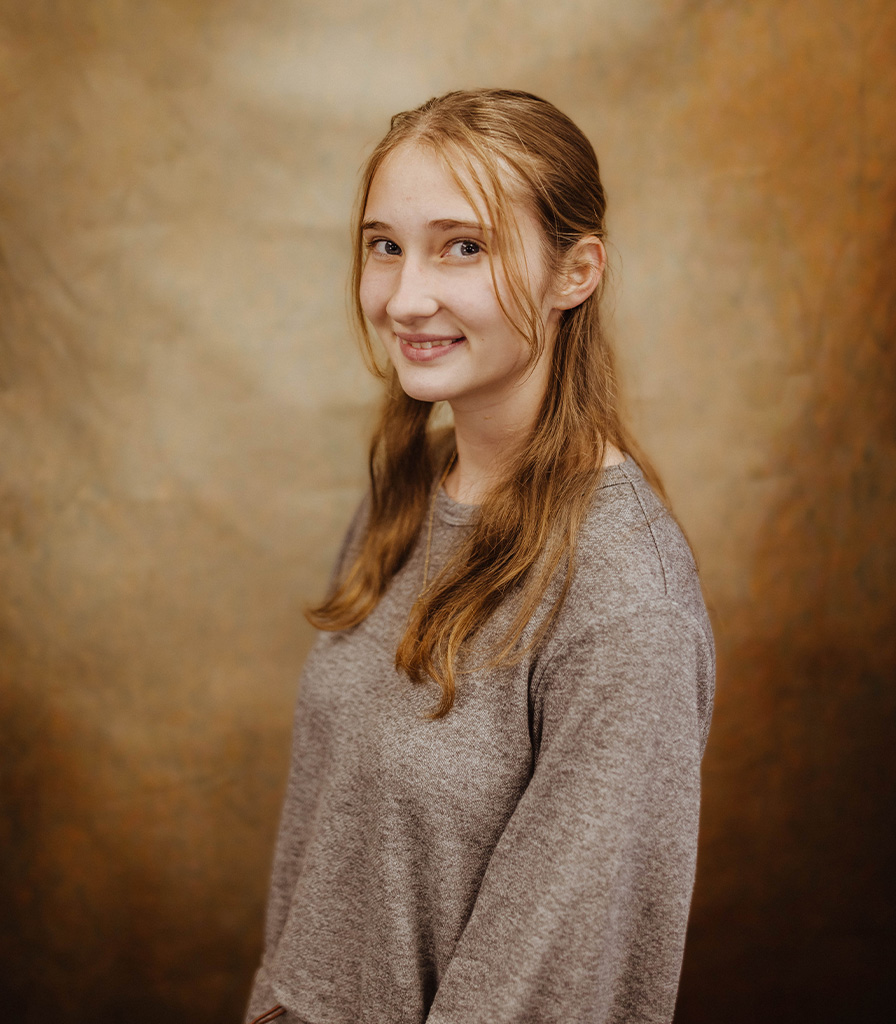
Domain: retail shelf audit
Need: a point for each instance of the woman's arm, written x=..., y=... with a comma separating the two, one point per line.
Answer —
x=582, y=911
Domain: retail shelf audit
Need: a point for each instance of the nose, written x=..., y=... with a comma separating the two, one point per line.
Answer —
x=413, y=294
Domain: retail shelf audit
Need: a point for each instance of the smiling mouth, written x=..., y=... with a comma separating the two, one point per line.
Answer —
x=427, y=348
x=436, y=343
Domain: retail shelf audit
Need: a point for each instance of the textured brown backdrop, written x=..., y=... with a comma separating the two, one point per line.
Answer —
x=183, y=417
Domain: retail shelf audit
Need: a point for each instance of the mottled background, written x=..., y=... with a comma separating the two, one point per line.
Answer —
x=183, y=418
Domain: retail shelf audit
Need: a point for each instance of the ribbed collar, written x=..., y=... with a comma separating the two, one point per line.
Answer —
x=454, y=513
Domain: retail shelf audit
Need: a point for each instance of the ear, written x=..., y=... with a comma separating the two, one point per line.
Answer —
x=584, y=267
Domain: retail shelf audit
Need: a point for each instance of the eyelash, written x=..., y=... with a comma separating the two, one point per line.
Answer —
x=467, y=241
x=372, y=244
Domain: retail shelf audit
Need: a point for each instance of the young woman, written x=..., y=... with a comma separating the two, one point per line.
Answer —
x=492, y=810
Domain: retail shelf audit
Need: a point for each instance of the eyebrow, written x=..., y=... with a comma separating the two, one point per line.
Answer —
x=438, y=225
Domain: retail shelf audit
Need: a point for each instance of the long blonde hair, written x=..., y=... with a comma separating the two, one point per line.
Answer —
x=510, y=146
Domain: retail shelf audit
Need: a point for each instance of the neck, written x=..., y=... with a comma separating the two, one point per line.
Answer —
x=490, y=428
x=486, y=447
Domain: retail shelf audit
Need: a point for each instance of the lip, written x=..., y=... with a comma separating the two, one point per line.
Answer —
x=423, y=348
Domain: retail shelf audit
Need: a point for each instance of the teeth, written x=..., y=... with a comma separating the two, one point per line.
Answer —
x=432, y=344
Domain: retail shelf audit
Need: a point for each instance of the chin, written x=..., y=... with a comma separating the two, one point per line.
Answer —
x=424, y=394
x=423, y=390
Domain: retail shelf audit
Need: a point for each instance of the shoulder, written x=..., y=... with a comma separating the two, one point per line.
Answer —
x=631, y=553
x=352, y=541
x=634, y=621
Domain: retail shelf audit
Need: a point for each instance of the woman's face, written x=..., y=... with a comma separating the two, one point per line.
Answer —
x=427, y=289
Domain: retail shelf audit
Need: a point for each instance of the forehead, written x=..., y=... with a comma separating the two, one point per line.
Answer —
x=415, y=176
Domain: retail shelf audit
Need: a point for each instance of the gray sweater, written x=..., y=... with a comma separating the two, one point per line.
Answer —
x=529, y=857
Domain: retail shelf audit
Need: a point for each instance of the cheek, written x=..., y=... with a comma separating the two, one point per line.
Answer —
x=372, y=294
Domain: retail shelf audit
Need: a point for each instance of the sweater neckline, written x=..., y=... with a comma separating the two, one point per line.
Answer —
x=456, y=513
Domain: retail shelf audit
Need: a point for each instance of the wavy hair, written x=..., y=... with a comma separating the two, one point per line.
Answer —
x=501, y=147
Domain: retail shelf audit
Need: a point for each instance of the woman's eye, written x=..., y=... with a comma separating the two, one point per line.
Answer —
x=384, y=247
x=465, y=247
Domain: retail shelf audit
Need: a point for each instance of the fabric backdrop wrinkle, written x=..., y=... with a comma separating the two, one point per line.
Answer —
x=184, y=416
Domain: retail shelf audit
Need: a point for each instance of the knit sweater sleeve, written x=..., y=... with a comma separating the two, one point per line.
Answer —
x=262, y=995
x=582, y=910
